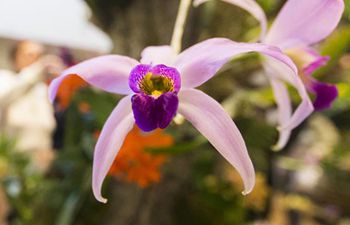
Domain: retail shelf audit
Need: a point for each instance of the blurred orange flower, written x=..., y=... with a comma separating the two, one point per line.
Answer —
x=134, y=164
x=69, y=86
x=84, y=107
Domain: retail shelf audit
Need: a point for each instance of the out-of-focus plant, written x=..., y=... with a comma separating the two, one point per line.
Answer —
x=19, y=181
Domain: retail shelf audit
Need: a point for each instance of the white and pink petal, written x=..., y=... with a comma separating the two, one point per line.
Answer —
x=280, y=72
x=109, y=73
x=112, y=136
x=301, y=24
x=202, y=61
x=210, y=119
x=284, y=111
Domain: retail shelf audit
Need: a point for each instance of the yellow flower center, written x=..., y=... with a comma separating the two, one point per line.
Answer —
x=156, y=85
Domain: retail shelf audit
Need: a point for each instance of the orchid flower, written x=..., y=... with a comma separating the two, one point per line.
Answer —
x=163, y=84
x=298, y=26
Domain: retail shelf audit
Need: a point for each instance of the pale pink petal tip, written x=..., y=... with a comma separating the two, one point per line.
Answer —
x=210, y=119
x=249, y=186
x=102, y=200
x=112, y=136
x=282, y=141
x=284, y=135
x=246, y=192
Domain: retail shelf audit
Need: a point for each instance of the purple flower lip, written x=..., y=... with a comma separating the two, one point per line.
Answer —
x=155, y=103
x=325, y=94
x=154, y=80
x=152, y=113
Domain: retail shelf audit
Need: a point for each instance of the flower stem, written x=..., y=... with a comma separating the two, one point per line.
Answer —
x=176, y=40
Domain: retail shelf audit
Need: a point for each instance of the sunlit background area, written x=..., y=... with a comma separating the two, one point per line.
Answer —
x=171, y=176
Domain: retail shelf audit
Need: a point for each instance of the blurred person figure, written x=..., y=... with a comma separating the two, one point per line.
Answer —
x=25, y=112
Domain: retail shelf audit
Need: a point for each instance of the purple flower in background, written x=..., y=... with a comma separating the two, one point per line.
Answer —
x=162, y=85
x=298, y=26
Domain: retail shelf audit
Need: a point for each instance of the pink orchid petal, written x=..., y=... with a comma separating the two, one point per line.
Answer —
x=284, y=109
x=202, y=61
x=208, y=116
x=110, y=73
x=112, y=136
x=281, y=72
x=307, y=59
x=158, y=55
x=250, y=6
x=304, y=23
x=318, y=62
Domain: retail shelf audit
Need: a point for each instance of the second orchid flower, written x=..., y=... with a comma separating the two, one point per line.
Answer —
x=297, y=27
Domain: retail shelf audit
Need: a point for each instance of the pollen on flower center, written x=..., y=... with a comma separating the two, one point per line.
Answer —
x=156, y=85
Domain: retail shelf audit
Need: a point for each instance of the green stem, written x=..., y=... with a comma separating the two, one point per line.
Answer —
x=176, y=41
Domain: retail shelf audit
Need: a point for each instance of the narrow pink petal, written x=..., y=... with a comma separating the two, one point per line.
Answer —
x=250, y=6
x=158, y=55
x=202, y=61
x=315, y=61
x=117, y=126
x=110, y=73
x=307, y=59
x=284, y=110
x=208, y=116
x=304, y=23
x=281, y=72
